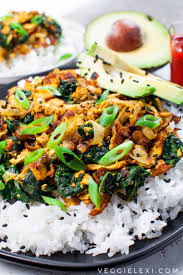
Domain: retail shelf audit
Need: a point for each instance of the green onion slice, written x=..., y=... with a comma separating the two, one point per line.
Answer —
x=108, y=116
x=2, y=185
x=75, y=163
x=94, y=192
x=116, y=153
x=149, y=121
x=2, y=146
x=2, y=18
x=103, y=97
x=18, y=27
x=49, y=89
x=101, y=186
x=92, y=48
x=52, y=201
x=64, y=57
x=57, y=135
x=37, y=20
x=22, y=99
x=37, y=126
x=33, y=156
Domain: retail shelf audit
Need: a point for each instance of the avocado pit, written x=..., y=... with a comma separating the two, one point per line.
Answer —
x=125, y=36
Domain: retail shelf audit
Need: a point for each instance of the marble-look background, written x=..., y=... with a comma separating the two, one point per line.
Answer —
x=169, y=260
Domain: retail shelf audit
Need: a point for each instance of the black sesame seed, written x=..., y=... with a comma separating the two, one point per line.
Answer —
x=111, y=80
x=146, y=189
x=46, y=204
x=61, y=218
x=74, y=214
x=40, y=102
x=15, y=157
x=4, y=207
x=130, y=231
x=167, y=180
x=68, y=214
x=4, y=225
x=127, y=111
x=122, y=81
x=27, y=205
x=144, y=210
x=155, y=155
x=152, y=221
x=119, y=205
x=121, y=74
x=143, y=234
x=148, y=85
x=138, y=155
x=135, y=81
x=22, y=247
x=5, y=238
x=25, y=216
x=123, y=225
x=94, y=76
x=149, y=17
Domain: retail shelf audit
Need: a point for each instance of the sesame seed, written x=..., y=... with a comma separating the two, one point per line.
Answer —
x=5, y=225
x=135, y=81
x=22, y=247
x=121, y=74
x=111, y=80
x=167, y=180
x=74, y=214
x=25, y=216
x=68, y=214
x=61, y=218
x=155, y=155
x=122, y=81
x=5, y=238
x=27, y=205
x=4, y=207
x=152, y=221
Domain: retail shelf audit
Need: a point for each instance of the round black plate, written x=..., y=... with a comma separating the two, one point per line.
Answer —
x=76, y=261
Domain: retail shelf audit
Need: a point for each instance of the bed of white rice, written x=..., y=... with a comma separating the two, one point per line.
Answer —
x=42, y=59
x=46, y=229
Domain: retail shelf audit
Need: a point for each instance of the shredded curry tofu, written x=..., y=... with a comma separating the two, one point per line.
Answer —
x=22, y=31
x=59, y=132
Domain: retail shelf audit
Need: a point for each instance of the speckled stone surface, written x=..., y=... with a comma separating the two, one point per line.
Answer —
x=170, y=259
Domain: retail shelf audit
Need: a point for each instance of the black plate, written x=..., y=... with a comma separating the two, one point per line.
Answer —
x=76, y=261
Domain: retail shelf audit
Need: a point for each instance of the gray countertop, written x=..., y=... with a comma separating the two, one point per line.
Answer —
x=169, y=260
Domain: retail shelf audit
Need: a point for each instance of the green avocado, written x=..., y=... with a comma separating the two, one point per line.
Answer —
x=126, y=83
x=109, y=67
x=155, y=49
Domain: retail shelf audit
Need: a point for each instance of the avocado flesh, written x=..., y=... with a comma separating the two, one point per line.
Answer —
x=164, y=89
x=129, y=84
x=153, y=53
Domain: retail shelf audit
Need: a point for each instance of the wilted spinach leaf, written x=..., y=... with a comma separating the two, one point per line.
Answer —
x=66, y=88
x=67, y=184
x=86, y=131
x=12, y=124
x=33, y=187
x=170, y=149
x=28, y=118
x=95, y=153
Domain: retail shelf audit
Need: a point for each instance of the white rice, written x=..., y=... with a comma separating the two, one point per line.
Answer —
x=42, y=59
x=47, y=229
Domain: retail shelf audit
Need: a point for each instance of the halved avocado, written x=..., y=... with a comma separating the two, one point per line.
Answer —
x=155, y=49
